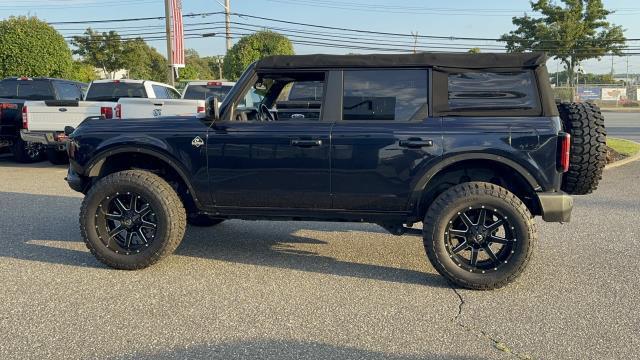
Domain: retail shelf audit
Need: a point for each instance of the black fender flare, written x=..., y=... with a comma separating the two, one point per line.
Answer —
x=423, y=181
x=94, y=167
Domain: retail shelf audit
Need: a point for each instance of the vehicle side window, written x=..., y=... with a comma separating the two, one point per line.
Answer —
x=284, y=97
x=67, y=91
x=160, y=91
x=163, y=92
x=482, y=90
x=300, y=100
x=391, y=95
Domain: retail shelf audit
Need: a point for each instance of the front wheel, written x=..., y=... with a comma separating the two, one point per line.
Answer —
x=131, y=219
x=479, y=235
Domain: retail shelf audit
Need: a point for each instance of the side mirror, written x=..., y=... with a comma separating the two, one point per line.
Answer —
x=212, y=108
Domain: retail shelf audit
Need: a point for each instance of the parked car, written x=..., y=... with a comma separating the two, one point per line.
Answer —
x=473, y=146
x=13, y=94
x=44, y=121
x=201, y=90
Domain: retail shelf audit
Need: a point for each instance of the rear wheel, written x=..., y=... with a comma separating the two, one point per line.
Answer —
x=131, y=219
x=57, y=157
x=27, y=152
x=588, y=152
x=479, y=235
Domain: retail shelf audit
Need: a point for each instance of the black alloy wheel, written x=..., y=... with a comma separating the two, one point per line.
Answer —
x=480, y=239
x=479, y=235
x=126, y=223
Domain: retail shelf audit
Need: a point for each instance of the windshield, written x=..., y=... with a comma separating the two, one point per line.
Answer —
x=26, y=89
x=202, y=92
x=113, y=91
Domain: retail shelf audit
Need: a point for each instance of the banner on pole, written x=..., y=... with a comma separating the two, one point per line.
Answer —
x=177, y=58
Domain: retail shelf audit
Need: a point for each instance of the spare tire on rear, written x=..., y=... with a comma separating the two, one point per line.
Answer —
x=585, y=123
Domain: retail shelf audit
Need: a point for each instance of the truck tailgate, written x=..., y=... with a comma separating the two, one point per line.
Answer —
x=55, y=115
x=147, y=108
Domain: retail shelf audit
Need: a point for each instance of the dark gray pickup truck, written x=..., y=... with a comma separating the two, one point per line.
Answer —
x=13, y=94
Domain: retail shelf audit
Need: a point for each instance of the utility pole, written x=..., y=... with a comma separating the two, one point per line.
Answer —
x=220, y=62
x=167, y=10
x=415, y=41
x=227, y=12
x=612, y=66
x=627, y=70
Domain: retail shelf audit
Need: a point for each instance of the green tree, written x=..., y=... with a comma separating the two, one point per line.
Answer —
x=573, y=32
x=196, y=67
x=83, y=72
x=474, y=50
x=254, y=47
x=30, y=47
x=144, y=61
x=102, y=50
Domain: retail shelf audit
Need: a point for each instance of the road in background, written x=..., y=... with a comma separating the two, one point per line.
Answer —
x=290, y=290
x=623, y=125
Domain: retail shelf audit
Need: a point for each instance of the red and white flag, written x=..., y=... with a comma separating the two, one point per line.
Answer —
x=177, y=58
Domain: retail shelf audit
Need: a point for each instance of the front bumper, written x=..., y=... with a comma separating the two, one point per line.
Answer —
x=46, y=138
x=556, y=206
x=75, y=181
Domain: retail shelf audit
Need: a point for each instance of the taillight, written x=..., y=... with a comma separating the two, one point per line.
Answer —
x=60, y=137
x=565, y=150
x=200, y=109
x=106, y=112
x=25, y=118
x=8, y=106
x=118, y=114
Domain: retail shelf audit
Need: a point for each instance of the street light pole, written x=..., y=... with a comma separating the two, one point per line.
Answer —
x=227, y=17
x=167, y=10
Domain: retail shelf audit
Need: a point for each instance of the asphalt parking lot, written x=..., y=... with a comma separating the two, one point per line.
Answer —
x=289, y=290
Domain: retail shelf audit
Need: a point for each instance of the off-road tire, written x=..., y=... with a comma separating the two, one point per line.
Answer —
x=57, y=157
x=462, y=196
x=588, y=153
x=164, y=200
x=202, y=220
x=24, y=152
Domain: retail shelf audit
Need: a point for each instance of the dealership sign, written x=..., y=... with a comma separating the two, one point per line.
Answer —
x=614, y=94
x=589, y=93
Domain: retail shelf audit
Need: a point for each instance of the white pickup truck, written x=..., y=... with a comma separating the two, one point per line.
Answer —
x=44, y=121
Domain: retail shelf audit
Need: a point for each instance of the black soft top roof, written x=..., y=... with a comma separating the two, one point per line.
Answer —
x=451, y=60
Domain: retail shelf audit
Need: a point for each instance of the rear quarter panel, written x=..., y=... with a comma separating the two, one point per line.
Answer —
x=531, y=142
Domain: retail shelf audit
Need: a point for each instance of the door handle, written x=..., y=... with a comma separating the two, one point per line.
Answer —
x=416, y=143
x=306, y=143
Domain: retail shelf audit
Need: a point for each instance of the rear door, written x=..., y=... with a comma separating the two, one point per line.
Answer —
x=384, y=139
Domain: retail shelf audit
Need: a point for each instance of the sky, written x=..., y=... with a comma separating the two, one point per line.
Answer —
x=460, y=18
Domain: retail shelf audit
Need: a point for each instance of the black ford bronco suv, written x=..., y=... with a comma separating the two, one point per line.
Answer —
x=471, y=145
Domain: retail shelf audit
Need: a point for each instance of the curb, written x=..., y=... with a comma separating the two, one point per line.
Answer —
x=624, y=161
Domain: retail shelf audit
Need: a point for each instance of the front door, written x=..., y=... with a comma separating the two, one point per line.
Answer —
x=273, y=156
x=384, y=141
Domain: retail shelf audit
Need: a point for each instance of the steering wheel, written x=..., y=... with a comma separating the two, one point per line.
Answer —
x=265, y=114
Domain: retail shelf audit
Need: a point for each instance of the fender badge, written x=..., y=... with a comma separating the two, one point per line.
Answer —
x=197, y=142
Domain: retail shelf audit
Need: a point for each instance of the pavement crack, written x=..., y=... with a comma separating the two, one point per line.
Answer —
x=481, y=334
